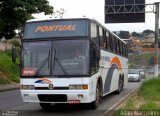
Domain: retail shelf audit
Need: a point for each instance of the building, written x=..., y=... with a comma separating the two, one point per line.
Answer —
x=149, y=39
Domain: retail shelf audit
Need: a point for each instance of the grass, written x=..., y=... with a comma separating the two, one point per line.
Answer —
x=146, y=99
x=9, y=71
x=129, y=105
x=150, y=89
x=150, y=106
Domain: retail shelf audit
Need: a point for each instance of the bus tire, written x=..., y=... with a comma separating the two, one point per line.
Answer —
x=95, y=103
x=45, y=106
x=120, y=85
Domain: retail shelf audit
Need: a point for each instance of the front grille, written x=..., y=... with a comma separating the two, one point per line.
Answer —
x=52, y=98
x=131, y=76
x=55, y=88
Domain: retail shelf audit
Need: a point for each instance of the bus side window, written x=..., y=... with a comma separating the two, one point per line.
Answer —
x=107, y=40
x=93, y=59
x=104, y=39
x=115, y=45
x=101, y=37
x=126, y=54
x=127, y=51
x=119, y=47
x=93, y=32
x=111, y=43
x=109, y=48
x=123, y=49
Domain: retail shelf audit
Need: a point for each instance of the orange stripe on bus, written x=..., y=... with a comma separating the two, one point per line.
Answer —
x=116, y=61
x=45, y=79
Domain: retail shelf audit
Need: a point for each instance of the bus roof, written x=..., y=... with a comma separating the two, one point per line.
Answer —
x=81, y=18
x=50, y=19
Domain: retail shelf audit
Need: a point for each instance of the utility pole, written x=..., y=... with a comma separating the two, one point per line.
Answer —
x=156, y=38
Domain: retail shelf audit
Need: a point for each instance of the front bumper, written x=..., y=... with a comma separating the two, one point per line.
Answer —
x=133, y=79
x=51, y=96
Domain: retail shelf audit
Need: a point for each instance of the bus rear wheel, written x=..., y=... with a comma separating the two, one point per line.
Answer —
x=95, y=103
x=120, y=86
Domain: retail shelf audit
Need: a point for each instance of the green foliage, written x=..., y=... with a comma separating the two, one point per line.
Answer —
x=132, y=66
x=151, y=60
x=147, y=32
x=129, y=105
x=15, y=42
x=135, y=34
x=144, y=59
x=9, y=71
x=124, y=34
x=143, y=34
x=150, y=89
x=14, y=13
x=4, y=81
x=150, y=106
x=147, y=99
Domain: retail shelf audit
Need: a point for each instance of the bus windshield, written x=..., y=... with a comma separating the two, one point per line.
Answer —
x=57, y=58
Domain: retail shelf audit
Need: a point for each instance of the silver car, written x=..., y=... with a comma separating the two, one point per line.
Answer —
x=151, y=71
x=134, y=75
x=142, y=73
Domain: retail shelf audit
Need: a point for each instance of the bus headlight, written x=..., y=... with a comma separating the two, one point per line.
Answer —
x=78, y=87
x=27, y=87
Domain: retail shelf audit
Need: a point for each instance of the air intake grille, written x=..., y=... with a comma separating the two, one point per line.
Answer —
x=52, y=98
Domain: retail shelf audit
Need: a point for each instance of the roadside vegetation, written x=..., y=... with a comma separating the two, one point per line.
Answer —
x=141, y=60
x=9, y=71
x=146, y=99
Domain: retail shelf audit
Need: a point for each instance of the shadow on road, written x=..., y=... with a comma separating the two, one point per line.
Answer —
x=63, y=110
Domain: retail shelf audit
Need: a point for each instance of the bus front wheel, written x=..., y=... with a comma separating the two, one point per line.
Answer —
x=95, y=103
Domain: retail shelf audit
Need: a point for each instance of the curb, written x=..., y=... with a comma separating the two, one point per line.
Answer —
x=117, y=105
x=9, y=87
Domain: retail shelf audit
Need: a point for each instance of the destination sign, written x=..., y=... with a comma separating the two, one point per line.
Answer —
x=56, y=28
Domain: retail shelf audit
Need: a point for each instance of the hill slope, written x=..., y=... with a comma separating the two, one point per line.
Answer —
x=9, y=71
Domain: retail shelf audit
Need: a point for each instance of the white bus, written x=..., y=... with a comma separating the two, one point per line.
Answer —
x=71, y=61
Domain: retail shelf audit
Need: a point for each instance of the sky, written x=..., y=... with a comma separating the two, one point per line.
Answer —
x=95, y=9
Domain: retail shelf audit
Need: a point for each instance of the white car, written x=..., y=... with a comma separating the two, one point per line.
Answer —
x=134, y=75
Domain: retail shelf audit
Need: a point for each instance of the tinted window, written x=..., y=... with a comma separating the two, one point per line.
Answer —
x=93, y=30
x=71, y=57
x=36, y=55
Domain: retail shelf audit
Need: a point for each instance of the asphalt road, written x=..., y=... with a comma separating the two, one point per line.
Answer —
x=11, y=103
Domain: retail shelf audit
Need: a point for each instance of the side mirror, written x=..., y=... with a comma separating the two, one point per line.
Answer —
x=13, y=54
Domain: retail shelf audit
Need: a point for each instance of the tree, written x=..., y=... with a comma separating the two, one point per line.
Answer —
x=151, y=61
x=147, y=32
x=124, y=34
x=14, y=13
x=135, y=34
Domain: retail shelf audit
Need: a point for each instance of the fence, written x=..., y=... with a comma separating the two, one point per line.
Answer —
x=5, y=46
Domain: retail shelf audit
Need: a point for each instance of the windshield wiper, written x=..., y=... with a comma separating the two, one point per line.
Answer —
x=43, y=63
x=59, y=63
